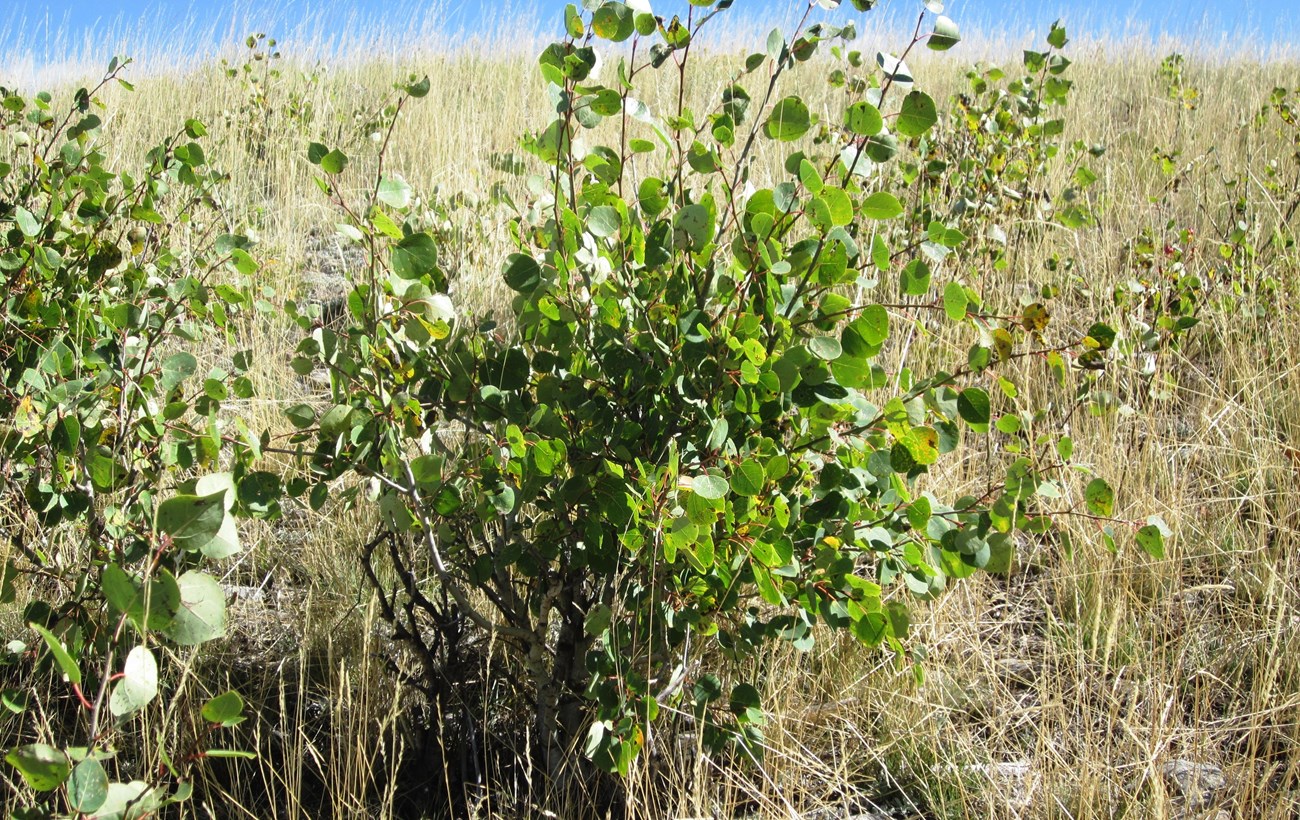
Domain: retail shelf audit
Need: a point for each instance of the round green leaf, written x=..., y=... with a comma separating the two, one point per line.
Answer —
x=748, y=478
x=414, y=257
x=873, y=324
x=882, y=205
x=944, y=36
x=522, y=273
x=43, y=767
x=1100, y=498
x=652, y=196
x=711, y=487
x=839, y=206
x=138, y=685
x=334, y=162
x=603, y=221
x=26, y=222
x=694, y=222
x=598, y=620
x=87, y=786
x=881, y=148
x=394, y=192
x=226, y=709
x=789, y=120
x=176, y=368
x=301, y=415
x=825, y=347
x=202, y=613
x=917, y=115
x=613, y=21
x=1151, y=538
x=196, y=522
x=863, y=119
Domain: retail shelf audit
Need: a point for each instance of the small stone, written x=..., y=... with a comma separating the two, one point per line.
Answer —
x=1197, y=782
x=1018, y=670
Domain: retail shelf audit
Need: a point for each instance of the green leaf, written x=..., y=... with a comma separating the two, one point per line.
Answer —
x=870, y=629
x=881, y=148
x=915, y=278
x=202, y=614
x=893, y=68
x=26, y=222
x=394, y=192
x=810, y=177
x=138, y=685
x=917, y=116
x=746, y=704
x=128, y=801
x=522, y=273
x=711, y=487
x=863, y=119
x=645, y=23
x=826, y=348
x=919, y=512
x=944, y=36
x=1151, y=538
x=427, y=470
x=260, y=491
x=850, y=370
x=419, y=88
x=604, y=221
x=652, y=196
x=64, y=661
x=176, y=368
x=873, y=324
x=226, y=709
x=334, y=162
x=882, y=205
x=416, y=256
x=789, y=120
x=1100, y=498
x=880, y=253
x=973, y=407
x=573, y=22
x=119, y=589
x=129, y=597
x=45, y=768
x=613, y=21
x=597, y=621
x=193, y=521
x=696, y=223
x=87, y=786
x=954, y=301
x=748, y=478
x=548, y=455
x=839, y=205
x=1056, y=38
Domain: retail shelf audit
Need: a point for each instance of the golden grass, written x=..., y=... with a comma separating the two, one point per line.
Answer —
x=1063, y=690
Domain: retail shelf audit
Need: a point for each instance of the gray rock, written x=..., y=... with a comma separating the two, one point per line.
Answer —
x=1199, y=783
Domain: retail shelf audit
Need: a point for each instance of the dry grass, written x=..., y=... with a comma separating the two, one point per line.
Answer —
x=1064, y=690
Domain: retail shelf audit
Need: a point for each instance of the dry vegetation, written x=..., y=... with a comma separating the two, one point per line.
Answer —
x=1102, y=684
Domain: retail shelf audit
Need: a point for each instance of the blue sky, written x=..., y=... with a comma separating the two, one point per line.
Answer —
x=33, y=31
